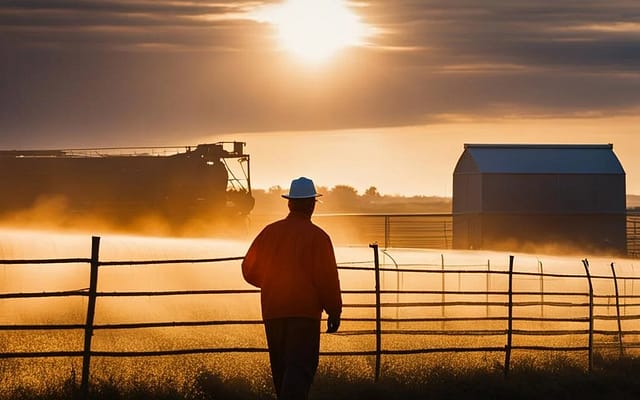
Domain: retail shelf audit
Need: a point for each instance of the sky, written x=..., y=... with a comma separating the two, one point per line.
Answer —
x=390, y=108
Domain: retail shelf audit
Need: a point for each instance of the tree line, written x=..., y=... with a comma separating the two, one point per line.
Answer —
x=346, y=199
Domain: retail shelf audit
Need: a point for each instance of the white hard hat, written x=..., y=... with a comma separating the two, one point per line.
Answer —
x=301, y=188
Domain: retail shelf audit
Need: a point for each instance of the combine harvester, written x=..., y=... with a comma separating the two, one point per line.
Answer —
x=208, y=184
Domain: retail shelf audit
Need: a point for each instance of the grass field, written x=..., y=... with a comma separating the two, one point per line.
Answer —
x=544, y=375
x=558, y=379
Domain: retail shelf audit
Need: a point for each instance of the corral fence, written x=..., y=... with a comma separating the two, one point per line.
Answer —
x=633, y=233
x=498, y=311
x=422, y=230
x=430, y=230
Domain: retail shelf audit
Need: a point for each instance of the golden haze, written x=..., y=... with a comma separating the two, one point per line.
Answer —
x=419, y=160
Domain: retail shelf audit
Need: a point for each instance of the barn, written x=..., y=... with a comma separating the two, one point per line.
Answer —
x=530, y=197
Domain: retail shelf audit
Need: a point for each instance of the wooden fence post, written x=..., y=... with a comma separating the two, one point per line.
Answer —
x=507, y=347
x=635, y=250
x=615, y=284
x=446, y=241
x=541, y=270
x=387, y=239
x=488, y=286
x=442, y=300
x=585, y=262
x=376, y=264
x=91, y=309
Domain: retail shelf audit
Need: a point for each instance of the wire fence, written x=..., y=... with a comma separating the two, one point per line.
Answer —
x=419, y=230
x=423, y=230
x=633, y=234
x=499, y=308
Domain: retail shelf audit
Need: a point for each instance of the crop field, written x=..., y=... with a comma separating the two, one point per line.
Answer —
x=440, y=312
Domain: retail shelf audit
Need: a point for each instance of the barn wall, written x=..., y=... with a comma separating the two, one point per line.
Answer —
x=522, y=232
x=467, y=231
x=467, y=193
x=467, y=208
x=598, y=232
x=549, y=193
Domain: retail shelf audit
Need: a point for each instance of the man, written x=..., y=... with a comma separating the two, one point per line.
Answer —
x=293, y=263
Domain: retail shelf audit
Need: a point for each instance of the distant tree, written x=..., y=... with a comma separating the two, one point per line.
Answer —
x=343, y=197
x=322, y=190
x=344, y=191
x=277, y=189
x=372, y=192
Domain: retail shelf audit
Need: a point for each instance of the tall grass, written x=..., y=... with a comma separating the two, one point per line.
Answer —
x=557, y=379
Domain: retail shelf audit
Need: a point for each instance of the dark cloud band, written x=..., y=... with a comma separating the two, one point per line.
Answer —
x=161, y=66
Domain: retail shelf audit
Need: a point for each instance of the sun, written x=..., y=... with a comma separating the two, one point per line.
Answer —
x=314, y=30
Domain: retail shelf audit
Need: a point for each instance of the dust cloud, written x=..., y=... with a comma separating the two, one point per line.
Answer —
x=426, y=275
x=53, y=213
x=564, y=248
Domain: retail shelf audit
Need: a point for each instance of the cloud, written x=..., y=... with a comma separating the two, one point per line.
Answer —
x=98, y=72
x=127, y=25
x=171, y=8
x=545, y=34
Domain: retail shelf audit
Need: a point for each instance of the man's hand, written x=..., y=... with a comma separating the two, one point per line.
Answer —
x=333, y=323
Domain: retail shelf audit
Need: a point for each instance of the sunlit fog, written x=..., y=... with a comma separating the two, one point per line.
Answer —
x=422, y=272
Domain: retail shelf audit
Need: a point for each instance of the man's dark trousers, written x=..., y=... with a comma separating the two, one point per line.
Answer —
x=294, y=346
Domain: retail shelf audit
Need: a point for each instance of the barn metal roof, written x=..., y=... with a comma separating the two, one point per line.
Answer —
x=541, y=159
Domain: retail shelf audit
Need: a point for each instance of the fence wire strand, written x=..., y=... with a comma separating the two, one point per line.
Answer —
x=411, y=326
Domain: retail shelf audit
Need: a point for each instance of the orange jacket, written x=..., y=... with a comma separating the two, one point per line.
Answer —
x=293, y=263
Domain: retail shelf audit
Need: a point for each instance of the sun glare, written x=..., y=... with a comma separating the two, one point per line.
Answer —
x=314, y=30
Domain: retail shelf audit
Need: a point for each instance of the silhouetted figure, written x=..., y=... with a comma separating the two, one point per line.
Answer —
x=293, y=263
